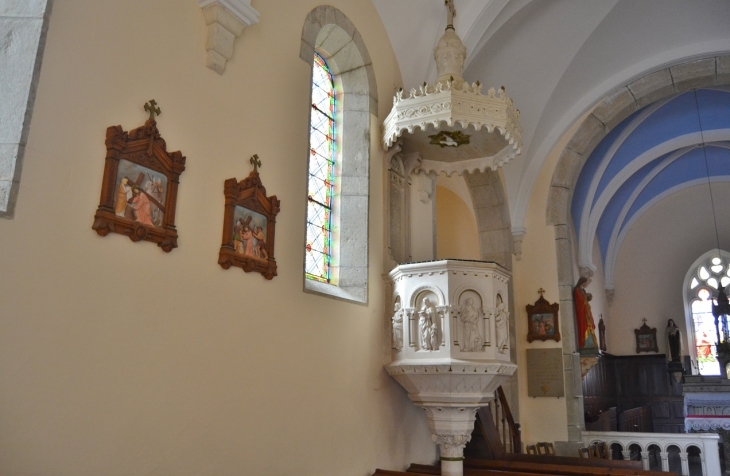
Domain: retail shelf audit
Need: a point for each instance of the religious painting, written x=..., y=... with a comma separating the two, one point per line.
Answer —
x=646, y=339
x=249, y=233
x=140, y=194
x=542, y=320
x=249, y=225
x=139, y=188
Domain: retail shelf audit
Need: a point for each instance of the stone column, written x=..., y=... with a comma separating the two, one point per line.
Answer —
x=626, y=454
x=451, y=429
x=665, y=460
x=685, y=463
x=645, y=460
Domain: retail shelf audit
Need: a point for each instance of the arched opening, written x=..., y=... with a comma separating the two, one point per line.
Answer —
x=701, y=284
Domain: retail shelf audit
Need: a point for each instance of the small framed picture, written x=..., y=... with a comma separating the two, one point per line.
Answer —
x=249, y=227
x=139, y=188
x=542, y=321
x=646, y=339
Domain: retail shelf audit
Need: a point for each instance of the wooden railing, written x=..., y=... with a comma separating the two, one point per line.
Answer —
x=498, y=427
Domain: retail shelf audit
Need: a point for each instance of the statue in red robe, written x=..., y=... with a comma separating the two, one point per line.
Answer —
x=141, y=205
x=585, y=326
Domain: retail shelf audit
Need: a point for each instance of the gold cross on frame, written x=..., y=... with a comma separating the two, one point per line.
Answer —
x=151, y=106
x=256, y=163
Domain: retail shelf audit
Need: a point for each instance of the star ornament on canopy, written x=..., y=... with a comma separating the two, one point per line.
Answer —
x=433, y=116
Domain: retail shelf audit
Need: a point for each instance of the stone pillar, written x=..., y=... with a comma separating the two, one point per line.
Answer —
x=645, y=460
x=451, y=429
x=626, y=454
x=665, y=460
x=725, y=439
x=571, y=364
x=685, y=463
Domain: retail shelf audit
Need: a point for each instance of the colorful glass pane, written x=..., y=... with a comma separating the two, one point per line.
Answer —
x=705, y=334
x=320, y=187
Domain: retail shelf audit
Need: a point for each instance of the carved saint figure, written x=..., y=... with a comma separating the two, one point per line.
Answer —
x=397, y=322
x=427, y=327
x=501, y=318
x=141, y=205
x=674, y=342
x=584, y=316
x=602, y=337
x=124, y=193
x=472, y=340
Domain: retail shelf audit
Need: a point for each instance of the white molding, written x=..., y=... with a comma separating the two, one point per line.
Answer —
x=226, y=20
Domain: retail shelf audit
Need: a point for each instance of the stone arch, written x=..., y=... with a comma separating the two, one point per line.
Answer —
x=608, y=113
x=492, y=216
x=329, y=29
x=21, y=55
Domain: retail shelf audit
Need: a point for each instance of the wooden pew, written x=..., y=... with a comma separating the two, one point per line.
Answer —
x=568, y=460
x=511, y=467
x=572, y=469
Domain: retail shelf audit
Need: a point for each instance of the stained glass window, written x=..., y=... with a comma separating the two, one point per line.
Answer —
x=322, y=147
x=709, y=275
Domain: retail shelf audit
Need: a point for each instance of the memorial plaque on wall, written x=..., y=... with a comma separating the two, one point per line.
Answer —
x=545, y=373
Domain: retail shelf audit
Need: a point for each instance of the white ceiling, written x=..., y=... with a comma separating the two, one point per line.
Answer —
x=557, y=58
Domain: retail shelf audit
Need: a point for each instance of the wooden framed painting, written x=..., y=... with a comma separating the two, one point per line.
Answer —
x=139, y=188
x=646, y=339
x=249, y=226
x=542, y=321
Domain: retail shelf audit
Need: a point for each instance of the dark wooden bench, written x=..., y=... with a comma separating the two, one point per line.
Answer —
x=568, y=460
x=573, y=468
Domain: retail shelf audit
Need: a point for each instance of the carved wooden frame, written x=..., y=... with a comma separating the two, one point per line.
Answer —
x=142, y=146
x=649, y=333
x=249, y=194
x=542, y=306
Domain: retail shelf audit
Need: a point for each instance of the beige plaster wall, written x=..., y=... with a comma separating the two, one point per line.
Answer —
x=542, y=419
x=117, y=358
x=456, y=229
x=654, y=259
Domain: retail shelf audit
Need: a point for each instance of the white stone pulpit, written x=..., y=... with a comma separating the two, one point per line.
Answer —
x=450, y=345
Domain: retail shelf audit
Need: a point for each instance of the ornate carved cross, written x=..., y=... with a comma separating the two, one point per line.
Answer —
x=644, y=320
x=151, y=106
x=541, y=291
x=256, y=163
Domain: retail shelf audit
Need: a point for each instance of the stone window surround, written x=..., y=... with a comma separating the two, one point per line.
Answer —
x=24, y=24
x=690, y=295
x=608, y=113
x=330, y=33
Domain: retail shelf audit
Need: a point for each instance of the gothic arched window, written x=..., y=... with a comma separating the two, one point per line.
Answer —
x=702, y=283
x=321, y=184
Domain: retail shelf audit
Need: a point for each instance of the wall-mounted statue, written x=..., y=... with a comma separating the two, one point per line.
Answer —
x=501, y=320
x=427, y=326
x=470, y=319
x=585, y=325
x=397, y=322
x=673, y=340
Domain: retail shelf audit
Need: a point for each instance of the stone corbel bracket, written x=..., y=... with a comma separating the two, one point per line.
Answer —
x=226, y=20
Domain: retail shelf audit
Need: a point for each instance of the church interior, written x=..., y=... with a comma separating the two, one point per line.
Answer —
x=596, y=181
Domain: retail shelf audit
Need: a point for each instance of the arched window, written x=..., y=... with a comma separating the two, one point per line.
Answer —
x=321, y=186
x=702, y=283
x=343, y=105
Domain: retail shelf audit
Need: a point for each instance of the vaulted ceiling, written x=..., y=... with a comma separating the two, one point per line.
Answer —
x=557, y=59
x=665, y=147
